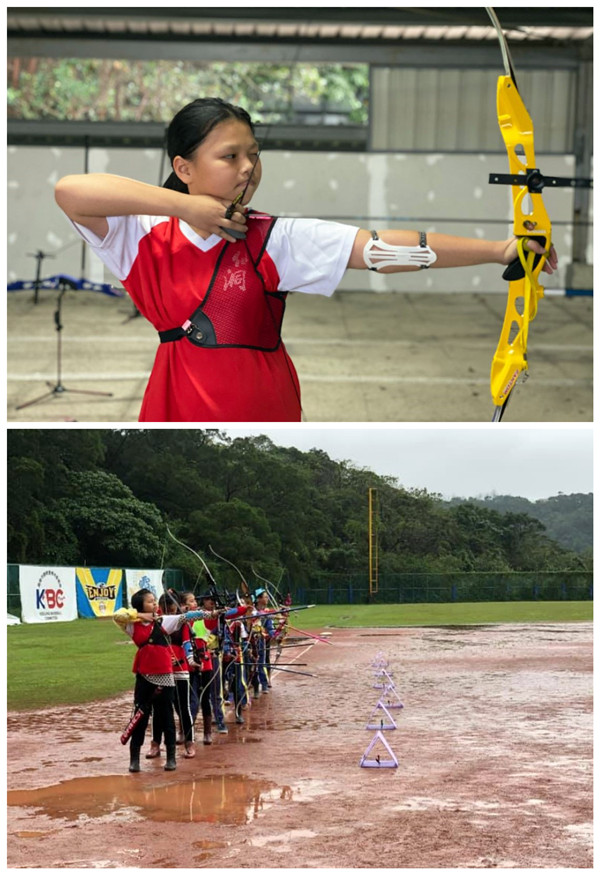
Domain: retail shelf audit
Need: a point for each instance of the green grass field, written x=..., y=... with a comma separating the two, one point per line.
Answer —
x=87, y=660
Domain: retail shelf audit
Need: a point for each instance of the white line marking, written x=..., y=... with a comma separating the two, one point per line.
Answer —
x=304, y=341
x=40, y=378
x=308, y=378
x=433, y=381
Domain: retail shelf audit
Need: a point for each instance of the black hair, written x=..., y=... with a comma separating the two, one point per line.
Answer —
x=137, y=599
x=192, y=124
x=168, y=599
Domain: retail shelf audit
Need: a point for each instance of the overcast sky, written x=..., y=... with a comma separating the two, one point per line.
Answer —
x=465, y=462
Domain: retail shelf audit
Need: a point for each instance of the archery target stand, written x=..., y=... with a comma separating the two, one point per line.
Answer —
x=380, y=661
x=392, y=698
x=381, y=721
x=387, y=681
x=372, y=759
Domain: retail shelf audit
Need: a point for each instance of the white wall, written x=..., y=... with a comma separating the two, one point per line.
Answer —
x=422, y=191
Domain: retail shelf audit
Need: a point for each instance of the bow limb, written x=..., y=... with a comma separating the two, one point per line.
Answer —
x=277, y=602
x=207, y=570
x=269, y=583
x=245, y=587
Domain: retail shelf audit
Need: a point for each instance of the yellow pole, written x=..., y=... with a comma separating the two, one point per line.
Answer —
x=373, y=543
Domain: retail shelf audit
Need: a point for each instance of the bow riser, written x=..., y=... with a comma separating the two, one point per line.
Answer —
x=530, y=220
x=516, y=128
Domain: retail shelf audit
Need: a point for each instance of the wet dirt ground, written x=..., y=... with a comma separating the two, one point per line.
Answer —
x=494, y=750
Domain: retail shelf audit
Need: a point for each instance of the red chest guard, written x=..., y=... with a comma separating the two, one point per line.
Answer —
x=236, y=310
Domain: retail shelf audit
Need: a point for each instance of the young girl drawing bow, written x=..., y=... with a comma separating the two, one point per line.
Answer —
x=153, y=668
x=217, y=301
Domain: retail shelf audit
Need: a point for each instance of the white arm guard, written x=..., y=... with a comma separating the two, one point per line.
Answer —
x=379, y=254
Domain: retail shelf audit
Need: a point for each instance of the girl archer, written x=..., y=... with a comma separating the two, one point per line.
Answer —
x=153, y=668
x=212, y=277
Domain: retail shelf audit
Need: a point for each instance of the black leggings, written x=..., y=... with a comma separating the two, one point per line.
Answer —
x=159, y=702
x=182, y=707
x=206, y=679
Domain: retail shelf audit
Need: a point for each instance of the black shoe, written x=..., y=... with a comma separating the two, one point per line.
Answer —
x=134, y=759
x=171, y=763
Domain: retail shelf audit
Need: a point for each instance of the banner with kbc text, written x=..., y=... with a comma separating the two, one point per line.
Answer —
x=47, y=594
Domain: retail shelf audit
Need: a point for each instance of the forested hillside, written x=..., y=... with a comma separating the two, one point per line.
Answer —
x=104, y=497
x=568, y=519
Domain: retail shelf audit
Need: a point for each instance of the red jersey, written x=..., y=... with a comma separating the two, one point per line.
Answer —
x=167, y=268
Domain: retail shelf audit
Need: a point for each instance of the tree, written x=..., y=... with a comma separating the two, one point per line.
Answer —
x=111, y=525
x=142, y=91
x=103, y=496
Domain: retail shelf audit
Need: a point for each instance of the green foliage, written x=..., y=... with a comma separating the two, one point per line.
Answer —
x=38, y=470
x=110, y=524
x=568, y=519
x=104, y=497
x=127, y=90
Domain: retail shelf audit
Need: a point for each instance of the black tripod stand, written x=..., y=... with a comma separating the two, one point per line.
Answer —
x=58, y=388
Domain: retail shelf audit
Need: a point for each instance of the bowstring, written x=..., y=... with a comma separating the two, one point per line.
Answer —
x=204, y=571
x=287, y=359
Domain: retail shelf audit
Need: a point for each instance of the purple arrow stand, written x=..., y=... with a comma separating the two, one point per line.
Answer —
x=390, y=698
x=386, y=679
x=371, y=760
x=381, y=718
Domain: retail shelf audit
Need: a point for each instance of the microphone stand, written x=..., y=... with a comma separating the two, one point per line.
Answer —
x=58, y=388
x=39, y=255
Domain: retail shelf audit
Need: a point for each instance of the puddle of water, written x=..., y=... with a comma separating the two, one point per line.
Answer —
x=229, y=799
x=283, y=837
x=209, y=845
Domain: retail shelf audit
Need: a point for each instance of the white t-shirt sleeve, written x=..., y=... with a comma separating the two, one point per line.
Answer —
x=311, y=255
x=119, y=249
x=172, y=622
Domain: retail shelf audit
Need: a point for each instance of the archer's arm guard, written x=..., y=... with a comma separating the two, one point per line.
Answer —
x=377, y=253
x=124, y=616
x=197, y=615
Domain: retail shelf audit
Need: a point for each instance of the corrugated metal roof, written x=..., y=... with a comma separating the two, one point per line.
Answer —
x=39, y=22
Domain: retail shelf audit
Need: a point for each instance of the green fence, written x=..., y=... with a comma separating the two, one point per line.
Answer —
x=454, y=587
x=339, y=589
x=13, y=598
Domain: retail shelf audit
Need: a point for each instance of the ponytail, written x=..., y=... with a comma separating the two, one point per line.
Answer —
x=175, y=184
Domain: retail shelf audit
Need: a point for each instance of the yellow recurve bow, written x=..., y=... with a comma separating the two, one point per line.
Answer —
x=531, y=222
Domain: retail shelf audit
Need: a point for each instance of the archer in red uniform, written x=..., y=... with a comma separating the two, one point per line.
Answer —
x=153, y=668
x=216, y=300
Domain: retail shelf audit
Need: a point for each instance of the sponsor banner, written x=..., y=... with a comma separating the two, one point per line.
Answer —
x=99, y=591
x=47, y=594
x=144, y=579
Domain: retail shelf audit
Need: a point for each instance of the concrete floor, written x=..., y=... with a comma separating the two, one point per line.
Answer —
x=367, y=357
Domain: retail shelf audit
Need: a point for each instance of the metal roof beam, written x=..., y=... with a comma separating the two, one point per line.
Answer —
x=435, y=54
x=511, y=17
